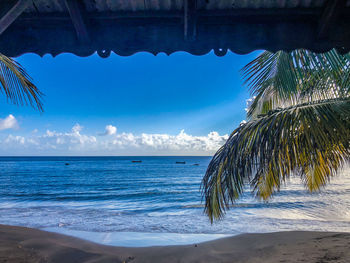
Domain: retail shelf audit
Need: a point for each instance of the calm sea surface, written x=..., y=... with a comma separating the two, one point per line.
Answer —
x=112, y=194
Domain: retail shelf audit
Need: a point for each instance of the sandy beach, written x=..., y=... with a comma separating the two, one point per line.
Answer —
x=20, y=244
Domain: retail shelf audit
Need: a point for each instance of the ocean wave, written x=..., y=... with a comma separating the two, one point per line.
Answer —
x=110, y=194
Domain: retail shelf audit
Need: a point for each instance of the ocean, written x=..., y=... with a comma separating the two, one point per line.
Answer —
x=112, y=200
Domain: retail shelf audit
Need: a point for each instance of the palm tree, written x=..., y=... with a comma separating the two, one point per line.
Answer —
x=298, y=125
x=16, y=84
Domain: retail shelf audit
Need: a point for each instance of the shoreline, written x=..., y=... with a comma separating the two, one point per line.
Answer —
x=137, y=239
x=21, y=244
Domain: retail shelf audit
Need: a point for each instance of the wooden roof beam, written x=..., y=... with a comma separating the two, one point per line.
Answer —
x=75, y=12
x=329, y=16
x=190, y=20
x=17, y=9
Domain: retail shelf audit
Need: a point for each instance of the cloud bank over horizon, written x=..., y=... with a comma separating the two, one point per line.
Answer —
x=109, y=142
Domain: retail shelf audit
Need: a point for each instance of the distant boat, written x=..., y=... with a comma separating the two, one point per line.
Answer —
x=66, y=163
x=180, y=162
x=196, y=164
x=136, y=161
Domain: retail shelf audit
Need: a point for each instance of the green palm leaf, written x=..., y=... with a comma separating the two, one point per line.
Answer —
x=17, y=85
x=309, y=140
x=281, y=78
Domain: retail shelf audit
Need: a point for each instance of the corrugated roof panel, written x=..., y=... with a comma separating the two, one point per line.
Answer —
x=280, y=4
x=152, y=5
x=221, y=4
x=179, y=4
x=117, y=5
x=90, y=5
x=240, y=4
x=201, y=4
x=257, y=4
x=311, y=3
x=227, y=4
x=305, y=3
x=159, y=5
x=166, y=5
x=48, y=6
x=30, y=8
x=270, y=4
x=317, y=3
x=101, y=5
x=137, y=5
x=209, y=4
x=292, y=3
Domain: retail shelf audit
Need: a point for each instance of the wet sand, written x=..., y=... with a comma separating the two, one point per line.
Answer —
x=20, y=244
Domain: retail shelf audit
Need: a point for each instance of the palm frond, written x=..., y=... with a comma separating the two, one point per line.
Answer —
x=284, y=78
x=310, y=140
x=16, y=84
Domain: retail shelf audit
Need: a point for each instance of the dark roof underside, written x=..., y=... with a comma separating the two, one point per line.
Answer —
x=83, y=27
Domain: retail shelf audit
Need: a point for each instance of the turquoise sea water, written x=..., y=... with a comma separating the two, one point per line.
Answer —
x=154, y=202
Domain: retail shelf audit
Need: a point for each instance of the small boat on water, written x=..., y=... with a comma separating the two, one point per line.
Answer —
x=136, y=161
x=181, y=162
x=196, y=164
x=66, y=164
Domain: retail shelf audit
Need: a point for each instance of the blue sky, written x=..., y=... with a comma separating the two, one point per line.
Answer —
x=140, y=94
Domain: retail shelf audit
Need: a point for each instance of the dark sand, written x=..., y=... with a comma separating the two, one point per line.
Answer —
x=19, y=244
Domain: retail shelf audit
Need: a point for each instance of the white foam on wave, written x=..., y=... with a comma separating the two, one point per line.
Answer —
x=137, y=239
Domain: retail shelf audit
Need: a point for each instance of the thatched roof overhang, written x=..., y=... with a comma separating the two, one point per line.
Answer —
x=83, y=27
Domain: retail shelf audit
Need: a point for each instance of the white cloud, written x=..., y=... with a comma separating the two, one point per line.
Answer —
x=109, y=130
x=15, y=139
x=9, y=122
x=75, y=142
x=77, y=128
x=68, y=140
